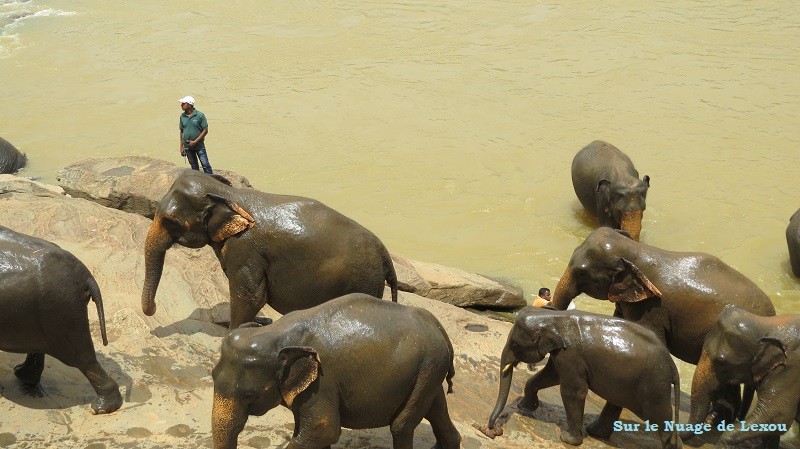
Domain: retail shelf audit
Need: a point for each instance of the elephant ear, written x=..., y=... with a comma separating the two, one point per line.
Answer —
x=300, y=367
x=226, y=218
x=772, y=354
x=543, y=337
x=631, y=285
x=601, y=198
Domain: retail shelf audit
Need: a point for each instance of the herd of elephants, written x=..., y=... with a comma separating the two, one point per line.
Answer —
x=325, y=273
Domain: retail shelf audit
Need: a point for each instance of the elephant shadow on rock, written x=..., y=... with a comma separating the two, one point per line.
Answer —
x=61, y=386
x=212, y=321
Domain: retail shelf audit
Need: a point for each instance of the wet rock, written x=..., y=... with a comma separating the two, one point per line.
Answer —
x=11, y=159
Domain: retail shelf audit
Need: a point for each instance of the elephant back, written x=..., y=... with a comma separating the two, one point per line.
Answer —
x=11, y=159
x=594, y=162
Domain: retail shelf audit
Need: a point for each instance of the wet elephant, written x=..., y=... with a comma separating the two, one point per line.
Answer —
x=11, y=159
x=678, y=295
x=355, y=361
x=44, y=292
x=286, y=251
x=764, y=353
x=793, y=242
x=620, y=361
x=608, y=186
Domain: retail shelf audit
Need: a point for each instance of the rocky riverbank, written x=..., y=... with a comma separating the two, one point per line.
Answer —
x=163, y=362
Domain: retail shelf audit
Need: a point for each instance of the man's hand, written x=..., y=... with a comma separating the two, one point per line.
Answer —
x=183, y=152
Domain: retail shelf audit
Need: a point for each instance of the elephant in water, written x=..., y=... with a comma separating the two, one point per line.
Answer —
x=286, y=251
x=609, y=187
x=11, y=160
x=677, y=295
x=793, y=242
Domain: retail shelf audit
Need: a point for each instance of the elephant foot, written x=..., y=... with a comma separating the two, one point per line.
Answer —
x=572, y=438
x=526, y=407
x=28, y=374
x=107, y=404
x=600, y=430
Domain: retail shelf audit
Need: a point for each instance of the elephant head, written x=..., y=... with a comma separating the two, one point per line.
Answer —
x=624, y=202
x=198, y=210
x=529, y=341
x=257, y=371
x=741, y=348
x=602, y=268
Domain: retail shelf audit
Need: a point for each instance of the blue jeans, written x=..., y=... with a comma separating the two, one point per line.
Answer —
x=199, y=151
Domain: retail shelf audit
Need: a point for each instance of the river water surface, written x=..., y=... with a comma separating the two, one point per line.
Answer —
x=447, y=128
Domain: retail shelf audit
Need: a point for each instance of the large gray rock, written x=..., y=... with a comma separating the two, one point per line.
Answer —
x=163, y=362
x=456, y=286
x=130, y=183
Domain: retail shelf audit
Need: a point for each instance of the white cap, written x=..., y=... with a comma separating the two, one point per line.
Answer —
x=187, y=99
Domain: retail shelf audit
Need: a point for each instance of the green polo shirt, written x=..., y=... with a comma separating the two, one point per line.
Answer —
x=192, y=125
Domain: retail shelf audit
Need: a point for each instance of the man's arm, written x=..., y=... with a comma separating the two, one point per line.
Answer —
x=180, y=145
x=199, y=138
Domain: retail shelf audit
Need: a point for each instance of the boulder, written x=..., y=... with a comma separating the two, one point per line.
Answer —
x=463, y=289
x=163, y=363
x=130, y=183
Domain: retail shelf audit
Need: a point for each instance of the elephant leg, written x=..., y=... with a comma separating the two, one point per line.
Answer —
x=30, y=371
x=603, y=426
x=416, y=407
x=447, y=437
x=573, y=395
x=248, y=296
x=317, y=426
x=108, y=397
x=547, y=377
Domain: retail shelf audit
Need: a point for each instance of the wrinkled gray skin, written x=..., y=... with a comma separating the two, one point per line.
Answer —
x=286, y=251
x=355, y=361
x=763, y=353
x=11, y=160
x=793, y=242
x=620, y=361
x=608, y=186
x=677, y=295
x=44, y=293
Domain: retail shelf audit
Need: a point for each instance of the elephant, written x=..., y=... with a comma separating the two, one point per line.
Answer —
x=678, y=295
x=764, y=353
x=355, y=361
x=286, y=251
x=11, y=159
x=621, y=361
x=44, y=291
x=608, y=186
x=793, y=242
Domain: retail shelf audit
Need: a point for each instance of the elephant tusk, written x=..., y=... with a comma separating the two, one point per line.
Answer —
x=507, y=367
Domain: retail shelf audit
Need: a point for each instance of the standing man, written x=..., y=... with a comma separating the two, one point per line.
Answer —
x=193, y=127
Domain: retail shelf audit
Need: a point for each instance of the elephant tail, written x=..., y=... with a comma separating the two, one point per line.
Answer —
x=94, y=292
x=388, y=272
x=676, y=387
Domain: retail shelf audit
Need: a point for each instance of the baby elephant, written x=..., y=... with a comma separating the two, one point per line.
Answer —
x=761, y=352
x=355, y=361
x=622, y=362
x=44, y=292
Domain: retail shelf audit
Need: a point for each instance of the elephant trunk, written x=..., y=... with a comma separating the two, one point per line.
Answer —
x=155, y=248
x=704, y=385
x=632, y=223
x=566, y=291
x=506, y=374
x=228, y=417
